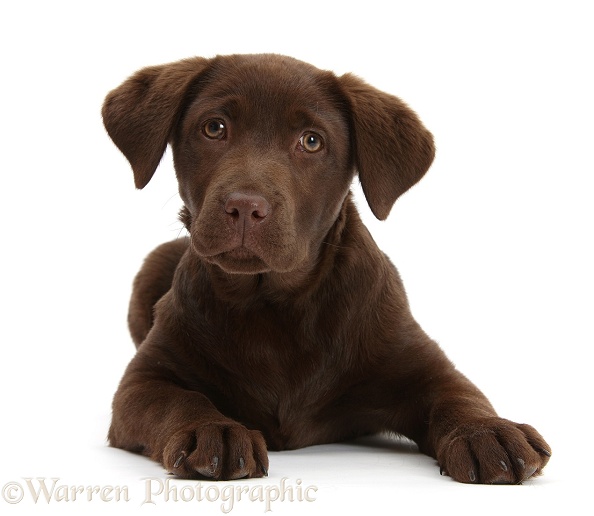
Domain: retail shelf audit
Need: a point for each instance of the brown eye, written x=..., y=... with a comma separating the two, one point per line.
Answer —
x=214, y=129
x=311, y=142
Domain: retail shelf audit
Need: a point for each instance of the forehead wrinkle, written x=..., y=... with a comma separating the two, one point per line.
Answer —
x=228, y=105
x=310, y=116
x=292, y=113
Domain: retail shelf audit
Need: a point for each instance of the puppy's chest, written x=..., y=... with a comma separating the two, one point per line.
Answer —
x=276, y=376
x=275, y=358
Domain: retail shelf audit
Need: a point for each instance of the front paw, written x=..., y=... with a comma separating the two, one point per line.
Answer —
x=218, y=451
x=493, y=451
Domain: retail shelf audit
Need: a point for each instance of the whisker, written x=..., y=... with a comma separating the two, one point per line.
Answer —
x=180, y=232
x=337, y=246
x=179, y=228
x=169, y=200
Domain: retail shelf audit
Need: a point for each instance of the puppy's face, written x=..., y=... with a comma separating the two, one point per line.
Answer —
x=265, y=149
x=263, y=162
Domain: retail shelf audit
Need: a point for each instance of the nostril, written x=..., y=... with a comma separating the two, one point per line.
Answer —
x=259, y=211
x=234, y=212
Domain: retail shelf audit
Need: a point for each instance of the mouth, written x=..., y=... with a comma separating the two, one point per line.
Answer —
x=239, y=260
x=248, y=255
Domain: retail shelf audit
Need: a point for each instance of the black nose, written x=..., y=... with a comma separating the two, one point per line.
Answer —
x=246, y=210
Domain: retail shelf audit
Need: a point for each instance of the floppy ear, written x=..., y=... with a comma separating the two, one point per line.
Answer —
x=392, y=148
x=140, y=114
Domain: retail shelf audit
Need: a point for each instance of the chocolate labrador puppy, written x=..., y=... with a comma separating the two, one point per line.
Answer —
x=278, y=323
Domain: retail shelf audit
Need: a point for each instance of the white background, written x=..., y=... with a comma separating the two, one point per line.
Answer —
x=494, y=245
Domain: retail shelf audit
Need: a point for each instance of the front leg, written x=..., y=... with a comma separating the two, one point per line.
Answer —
x=180, y=428
x=473, y=445
x=450, y=419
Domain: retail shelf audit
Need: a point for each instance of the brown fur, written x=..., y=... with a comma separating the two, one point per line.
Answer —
x=279, y=323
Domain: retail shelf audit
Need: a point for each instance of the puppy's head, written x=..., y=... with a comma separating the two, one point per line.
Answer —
x=265, y=149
